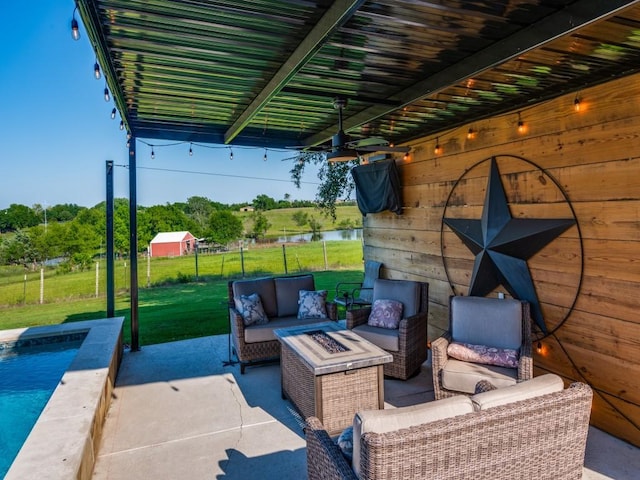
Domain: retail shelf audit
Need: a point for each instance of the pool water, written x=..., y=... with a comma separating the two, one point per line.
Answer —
x=28, y=377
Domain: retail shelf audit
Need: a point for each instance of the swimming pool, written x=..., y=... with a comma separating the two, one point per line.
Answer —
x=30, y=371
x=64, y=441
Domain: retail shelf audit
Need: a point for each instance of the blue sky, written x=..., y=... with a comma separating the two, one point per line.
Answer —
x=57, y=131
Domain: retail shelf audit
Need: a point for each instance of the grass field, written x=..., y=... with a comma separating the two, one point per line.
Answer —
x=281, y=220
x=176, y=306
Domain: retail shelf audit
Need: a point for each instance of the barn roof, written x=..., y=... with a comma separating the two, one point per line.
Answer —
x=171, y=237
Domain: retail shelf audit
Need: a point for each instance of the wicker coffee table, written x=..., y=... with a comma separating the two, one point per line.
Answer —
x=331, y=373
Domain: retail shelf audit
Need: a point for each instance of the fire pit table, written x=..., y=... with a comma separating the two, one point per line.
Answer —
x=330, y=372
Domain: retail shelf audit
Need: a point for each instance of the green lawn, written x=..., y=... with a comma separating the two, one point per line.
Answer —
x=165, y=314
x=56, y=287
x=175, y=306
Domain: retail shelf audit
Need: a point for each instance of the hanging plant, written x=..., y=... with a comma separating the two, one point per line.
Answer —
x=335, y=179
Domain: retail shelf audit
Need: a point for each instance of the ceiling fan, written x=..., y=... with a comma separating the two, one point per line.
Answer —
x=343, y=149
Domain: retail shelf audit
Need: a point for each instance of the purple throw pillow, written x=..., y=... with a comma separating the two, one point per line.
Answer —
x=500, y=357
x=385, y=314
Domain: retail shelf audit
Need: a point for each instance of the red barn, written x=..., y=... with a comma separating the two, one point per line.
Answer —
x=172, y=244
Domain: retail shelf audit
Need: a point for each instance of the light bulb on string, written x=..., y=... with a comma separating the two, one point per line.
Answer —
x=264, y=158
x=230, y=154
x=521, y=126
x=75, y=31
x=153, y=154
x=96, y=71
x=121, y=124
x=191, y=150
x=438, y=149
x=113, y=114
x=471, y=134
x=107, y=97
x=576, y=104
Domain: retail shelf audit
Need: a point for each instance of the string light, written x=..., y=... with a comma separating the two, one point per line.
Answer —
x=96, y=70
x=75, y=31
x=471, y=134
x=153, y=154
x=406, y=156
x=113, y=115
x=121, y=124
x=438, y=149
x=539, y=347
x=521, y=127
x=107, y=97
x=264, y=158
x=576, y=104
x=191, y=150
x=230, y=154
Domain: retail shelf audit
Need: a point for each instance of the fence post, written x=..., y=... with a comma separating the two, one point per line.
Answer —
x=41, y=286
x=97, y=278
x=284, y=256
x=149, y=266
x=242, y=260
x=24, y=292
x=324, y=252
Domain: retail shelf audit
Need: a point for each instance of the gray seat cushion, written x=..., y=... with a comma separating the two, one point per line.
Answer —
x=463, y=376
x=385, y=338
x=405, y=291
x=286, y=294
x=263, y=287
x=264, y=333
x=487, y=321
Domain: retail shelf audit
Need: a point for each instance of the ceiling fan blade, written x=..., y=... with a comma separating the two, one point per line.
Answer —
x=369, y=141
x=383, y=148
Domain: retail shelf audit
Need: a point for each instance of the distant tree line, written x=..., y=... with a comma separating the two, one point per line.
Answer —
x=33, y=235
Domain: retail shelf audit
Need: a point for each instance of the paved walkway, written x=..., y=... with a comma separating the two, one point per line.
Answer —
x=178, y=412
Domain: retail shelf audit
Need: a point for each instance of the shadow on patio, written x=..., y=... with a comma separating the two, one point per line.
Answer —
x=179, y=412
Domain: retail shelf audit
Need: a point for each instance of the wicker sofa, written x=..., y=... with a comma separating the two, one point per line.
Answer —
x=499, y=434
x=255, y=344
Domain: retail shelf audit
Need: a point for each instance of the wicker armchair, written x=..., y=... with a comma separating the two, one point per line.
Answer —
x=407, y=344
x=503, y=323
x=543, y=438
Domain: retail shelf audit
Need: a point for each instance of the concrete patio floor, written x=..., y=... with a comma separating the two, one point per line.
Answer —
x=178, y=412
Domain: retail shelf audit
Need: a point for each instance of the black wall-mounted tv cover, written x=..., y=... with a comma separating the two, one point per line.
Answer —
x=377, y=187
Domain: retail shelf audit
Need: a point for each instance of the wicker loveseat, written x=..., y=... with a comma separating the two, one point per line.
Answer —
x=279, y=296
x=541, y=436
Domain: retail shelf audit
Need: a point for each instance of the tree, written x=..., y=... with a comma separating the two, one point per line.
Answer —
x=300, y=218
x=16, y=217
x=18, y=250
x=264, y=202
x=199, y=209
x=335, y=179
x=260, y=225
x=224, y=227
x=64, y=212
x=161, y=218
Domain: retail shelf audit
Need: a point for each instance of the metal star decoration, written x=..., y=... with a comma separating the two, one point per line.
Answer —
x=503, y=244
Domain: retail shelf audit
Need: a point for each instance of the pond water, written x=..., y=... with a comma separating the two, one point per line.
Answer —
x=352, y=234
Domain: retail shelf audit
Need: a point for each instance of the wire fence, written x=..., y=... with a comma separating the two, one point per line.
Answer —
x=50, y=284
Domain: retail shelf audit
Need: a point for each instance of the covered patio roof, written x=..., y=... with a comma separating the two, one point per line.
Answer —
x=265, y=72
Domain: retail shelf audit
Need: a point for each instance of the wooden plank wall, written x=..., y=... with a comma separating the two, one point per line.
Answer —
x=594, y=155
